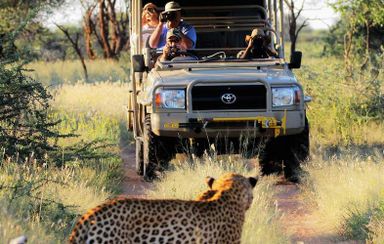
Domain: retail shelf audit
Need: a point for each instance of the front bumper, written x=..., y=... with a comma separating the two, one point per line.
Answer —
x=228, y=124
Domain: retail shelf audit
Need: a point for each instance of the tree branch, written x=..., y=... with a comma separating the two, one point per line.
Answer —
x=75, y=45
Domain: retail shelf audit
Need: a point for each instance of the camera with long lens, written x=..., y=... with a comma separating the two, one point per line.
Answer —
x=174, y=51
x=168, y=16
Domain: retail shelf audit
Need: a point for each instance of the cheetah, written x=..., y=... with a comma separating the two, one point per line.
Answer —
x=216, y=216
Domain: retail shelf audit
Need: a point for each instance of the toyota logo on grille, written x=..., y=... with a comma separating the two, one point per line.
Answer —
x=228, y=98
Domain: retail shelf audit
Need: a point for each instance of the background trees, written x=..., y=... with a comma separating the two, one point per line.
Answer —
x=362, y=29
x=103, y=34
x=102, y=22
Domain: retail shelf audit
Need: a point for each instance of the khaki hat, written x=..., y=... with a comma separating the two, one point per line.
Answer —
x=257, y=32
x=171, y=6
x=173, y=32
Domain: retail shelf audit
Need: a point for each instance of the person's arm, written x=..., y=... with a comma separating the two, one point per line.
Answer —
x=186, y=42
x=155, y=37
x=247, y=50
x=271, y=52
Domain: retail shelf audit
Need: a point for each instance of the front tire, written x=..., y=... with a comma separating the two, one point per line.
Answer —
x=157, y=151
x=149, y=150
x=139, y=158
x=291, y=150
x=298, y=153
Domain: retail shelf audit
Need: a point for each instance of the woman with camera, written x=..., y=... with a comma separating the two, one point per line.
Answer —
x=170, y=18
x=149, y=20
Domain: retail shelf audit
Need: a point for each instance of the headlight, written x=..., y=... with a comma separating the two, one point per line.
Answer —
x=170, y=98
x=285, y=96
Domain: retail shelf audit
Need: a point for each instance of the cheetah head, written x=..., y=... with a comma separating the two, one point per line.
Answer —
x=235, y=186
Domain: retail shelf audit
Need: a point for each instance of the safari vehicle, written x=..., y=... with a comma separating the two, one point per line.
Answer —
x=253, y=106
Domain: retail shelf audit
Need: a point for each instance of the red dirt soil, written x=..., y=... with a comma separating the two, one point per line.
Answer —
x=133, y=184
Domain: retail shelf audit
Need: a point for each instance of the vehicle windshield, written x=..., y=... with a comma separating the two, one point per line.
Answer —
x=223, y=33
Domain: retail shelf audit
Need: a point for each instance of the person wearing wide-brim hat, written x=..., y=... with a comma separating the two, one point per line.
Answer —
x=171, y=18
x=258, y=45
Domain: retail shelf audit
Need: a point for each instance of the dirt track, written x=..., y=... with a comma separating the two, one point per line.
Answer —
x=296, y=216
x=133, y=185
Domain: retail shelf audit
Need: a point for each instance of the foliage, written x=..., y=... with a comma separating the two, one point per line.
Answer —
x=363, y=225
x=26, y=128
x=341, y=112
x=360, y=11
x=360, y=18
x=24, y=124
x=51, y=45
x=42, y=201
x=33, y=36
x=334, y=40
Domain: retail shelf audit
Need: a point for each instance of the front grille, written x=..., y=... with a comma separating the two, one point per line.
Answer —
x=247, y=97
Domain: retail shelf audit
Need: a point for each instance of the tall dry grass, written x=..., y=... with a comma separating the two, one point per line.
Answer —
x=340, y=187
x=42, y=202
x=93, y=111
x=106, y=98
x=344, y=181
x=70, y=71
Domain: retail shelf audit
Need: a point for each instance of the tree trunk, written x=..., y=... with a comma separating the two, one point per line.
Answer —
x=115, y=33
x=88, y=31
x=293, y=18
x=103, y=29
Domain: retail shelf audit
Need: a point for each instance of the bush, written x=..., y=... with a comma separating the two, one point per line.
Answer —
x=25, y=128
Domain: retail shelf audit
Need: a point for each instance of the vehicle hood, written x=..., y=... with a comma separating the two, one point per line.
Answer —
x=184, y=76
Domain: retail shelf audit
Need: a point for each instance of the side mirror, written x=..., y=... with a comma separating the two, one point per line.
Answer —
x=138, y=63
x=295, y=60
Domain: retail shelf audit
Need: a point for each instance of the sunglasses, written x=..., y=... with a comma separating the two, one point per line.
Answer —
x=151, y=10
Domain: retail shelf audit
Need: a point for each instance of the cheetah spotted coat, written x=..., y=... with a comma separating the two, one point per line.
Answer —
x=217, y=216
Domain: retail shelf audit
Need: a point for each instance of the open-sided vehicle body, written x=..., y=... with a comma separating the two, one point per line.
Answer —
x=246, y=104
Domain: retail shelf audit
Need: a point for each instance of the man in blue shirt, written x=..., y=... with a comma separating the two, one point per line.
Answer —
x=170, y=18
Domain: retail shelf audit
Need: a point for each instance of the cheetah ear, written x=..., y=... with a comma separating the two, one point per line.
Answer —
x=253, y=181
x=209, y=181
